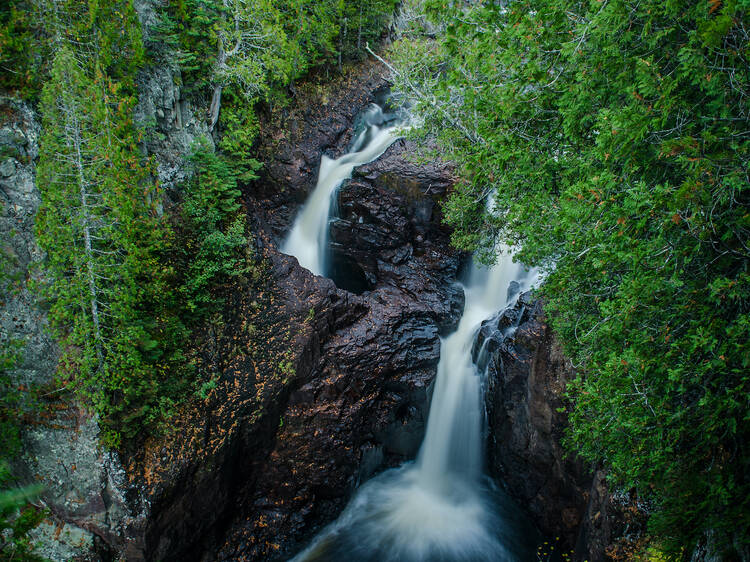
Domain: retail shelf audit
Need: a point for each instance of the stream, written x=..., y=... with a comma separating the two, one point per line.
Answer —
x=441, y=507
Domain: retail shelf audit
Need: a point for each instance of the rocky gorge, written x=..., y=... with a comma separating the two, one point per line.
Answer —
x=321, y=383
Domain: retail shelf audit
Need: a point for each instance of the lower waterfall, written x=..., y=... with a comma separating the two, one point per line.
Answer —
x=441, y=507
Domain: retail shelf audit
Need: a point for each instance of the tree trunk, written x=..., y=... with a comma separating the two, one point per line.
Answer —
x=86, y=224
x=213, y=111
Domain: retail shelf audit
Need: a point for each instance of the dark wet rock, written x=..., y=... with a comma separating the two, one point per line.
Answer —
x=527, y=416
x=338, y=392
x=363, y=408
x=319, y=122
x=388, y=226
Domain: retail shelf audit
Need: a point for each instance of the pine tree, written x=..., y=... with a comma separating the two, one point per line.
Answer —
x=75, y=214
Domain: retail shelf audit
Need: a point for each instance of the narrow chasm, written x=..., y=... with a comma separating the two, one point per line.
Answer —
x=377, y=233
x=362, y=407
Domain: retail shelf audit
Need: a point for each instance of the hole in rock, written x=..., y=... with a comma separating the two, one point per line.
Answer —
x=347, y=274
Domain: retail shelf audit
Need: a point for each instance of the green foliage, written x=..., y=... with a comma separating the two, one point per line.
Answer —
x=112, y=306
x=214, y=242
x=613, y=137
x=362, y=22
x=241, y=128
x=267, y=44
x=251, y=52
x=19, y=53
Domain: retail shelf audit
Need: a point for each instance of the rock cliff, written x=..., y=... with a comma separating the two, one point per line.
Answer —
x=569, y=500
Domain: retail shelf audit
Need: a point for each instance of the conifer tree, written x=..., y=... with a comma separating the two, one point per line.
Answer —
x=99, y=227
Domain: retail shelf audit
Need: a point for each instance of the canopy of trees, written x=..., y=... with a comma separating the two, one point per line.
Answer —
x=615, y=138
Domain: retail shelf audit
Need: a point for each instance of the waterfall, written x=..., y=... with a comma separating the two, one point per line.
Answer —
x=308, y=239
x=440, y=508
x=452, y=446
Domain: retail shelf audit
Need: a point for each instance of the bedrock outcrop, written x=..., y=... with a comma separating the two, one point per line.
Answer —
x=569, y=500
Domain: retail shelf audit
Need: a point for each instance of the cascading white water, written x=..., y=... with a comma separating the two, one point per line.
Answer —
x=440, y=508
x=308, y=239
x=452, y=444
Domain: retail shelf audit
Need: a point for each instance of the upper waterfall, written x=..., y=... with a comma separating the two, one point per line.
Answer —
x=308, y=239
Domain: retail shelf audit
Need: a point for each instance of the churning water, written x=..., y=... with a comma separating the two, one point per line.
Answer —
x=308, y=239
x=441, y=507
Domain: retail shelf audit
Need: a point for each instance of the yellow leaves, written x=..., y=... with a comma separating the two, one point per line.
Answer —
x=715, y=5
x=676, y=218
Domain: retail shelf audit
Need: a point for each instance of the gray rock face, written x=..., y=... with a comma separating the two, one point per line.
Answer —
x=172, y=122
x=84, y=487
x=21, y=317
